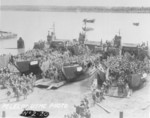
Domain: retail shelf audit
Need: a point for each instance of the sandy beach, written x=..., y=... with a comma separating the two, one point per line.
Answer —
x=61, y=101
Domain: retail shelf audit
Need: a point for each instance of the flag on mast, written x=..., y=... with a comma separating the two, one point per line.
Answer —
x=89, y=20
x=87, y=28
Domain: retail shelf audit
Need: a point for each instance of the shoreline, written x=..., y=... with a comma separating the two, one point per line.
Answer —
x=89, y=9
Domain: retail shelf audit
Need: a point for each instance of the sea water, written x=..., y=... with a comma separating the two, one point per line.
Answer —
x=34, y=26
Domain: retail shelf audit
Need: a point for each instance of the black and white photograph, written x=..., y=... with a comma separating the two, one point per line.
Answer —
x=74, y=58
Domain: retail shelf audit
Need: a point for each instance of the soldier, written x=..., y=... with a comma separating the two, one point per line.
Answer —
x=98, y=95
x=56, y=75
x=31, y=75
x=93, y=96
x=9, y=92
x=16, y=92
x=34, y=80
x=128, y=90
x=28, y=80
x=29, y=86
x=24, y=77
x=106, y=86
x=20, y=89
x=102, y=91
x=86, y=102
x=24, y=90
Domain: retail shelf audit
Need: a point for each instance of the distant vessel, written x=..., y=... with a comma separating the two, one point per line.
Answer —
x=20, y=43
x=7, y=35
x=136, y=24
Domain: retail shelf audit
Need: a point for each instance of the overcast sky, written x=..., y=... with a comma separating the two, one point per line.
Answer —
x=140, y=3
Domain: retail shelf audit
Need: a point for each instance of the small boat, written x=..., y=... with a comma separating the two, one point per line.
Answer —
x=136, y=24
x=89, y=20
x=7, y=35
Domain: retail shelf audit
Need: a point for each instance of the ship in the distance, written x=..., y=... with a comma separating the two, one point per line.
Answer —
x=136, y=24
x=7, y=35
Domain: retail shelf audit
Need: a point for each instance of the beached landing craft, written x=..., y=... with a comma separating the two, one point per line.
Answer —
x=7, y=35
x=72, y=73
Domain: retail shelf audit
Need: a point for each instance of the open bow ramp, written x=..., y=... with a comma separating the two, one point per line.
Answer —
x=49, y=84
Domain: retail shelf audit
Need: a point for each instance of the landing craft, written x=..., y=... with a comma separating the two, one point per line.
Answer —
x=7, y=35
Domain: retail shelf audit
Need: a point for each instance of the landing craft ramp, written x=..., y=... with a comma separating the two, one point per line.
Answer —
x=50, y=84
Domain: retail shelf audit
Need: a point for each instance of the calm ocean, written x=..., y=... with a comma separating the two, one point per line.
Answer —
x=34, y=26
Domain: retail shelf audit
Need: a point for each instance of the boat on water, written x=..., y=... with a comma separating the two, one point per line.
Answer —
x=136, y=24
x=7, y=35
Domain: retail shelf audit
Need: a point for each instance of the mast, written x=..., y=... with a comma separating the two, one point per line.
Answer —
x=53, y=32
x=85, y=30
x=119, y=32
x=120, y=48
x=148, y=48
x=54, y=28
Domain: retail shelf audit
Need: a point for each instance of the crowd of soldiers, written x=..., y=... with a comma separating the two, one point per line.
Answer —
x=82, y=110
x=51, y=63
x=16, y=84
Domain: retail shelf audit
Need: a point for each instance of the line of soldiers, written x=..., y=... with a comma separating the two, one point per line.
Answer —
x=4, y=75
x=17, y=85
x=97, y=93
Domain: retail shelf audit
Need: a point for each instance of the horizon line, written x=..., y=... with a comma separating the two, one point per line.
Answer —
x=54, y=8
